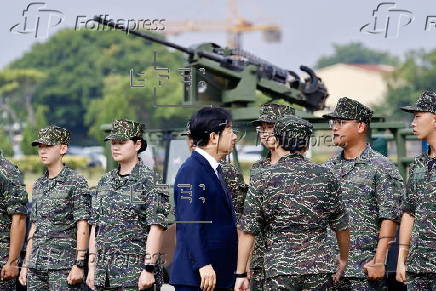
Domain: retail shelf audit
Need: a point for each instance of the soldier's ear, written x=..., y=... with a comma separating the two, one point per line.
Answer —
x=64, y=149
x=361, y=127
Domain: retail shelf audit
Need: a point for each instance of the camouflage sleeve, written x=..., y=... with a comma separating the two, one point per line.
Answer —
x=410, y=198
x=81, y=200
x=235, y=181
x=251, y=220
x=338, y=215
x=157, y=205
x=15, y=194
x=389, y=191
x=95, y=204
x=93, y=218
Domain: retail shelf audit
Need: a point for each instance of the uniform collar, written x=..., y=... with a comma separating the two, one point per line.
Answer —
x=61, y=177
x=425, y=156
x=363, y=158
x=132, y=176
x=291, y=156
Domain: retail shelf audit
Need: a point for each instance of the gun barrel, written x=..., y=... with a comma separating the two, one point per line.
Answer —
x=106, y=22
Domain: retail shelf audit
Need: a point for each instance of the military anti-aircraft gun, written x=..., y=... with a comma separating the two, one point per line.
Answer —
x=230, y=78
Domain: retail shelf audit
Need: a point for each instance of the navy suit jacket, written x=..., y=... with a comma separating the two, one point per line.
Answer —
x=199, y=196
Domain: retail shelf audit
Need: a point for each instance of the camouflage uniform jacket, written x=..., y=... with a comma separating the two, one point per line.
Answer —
x=124, y=208
x=260, y=243
x=235, y=181
x=57, y=205
x=13, y=199
x=420, y=202
x=372, y=191
x=295, y=201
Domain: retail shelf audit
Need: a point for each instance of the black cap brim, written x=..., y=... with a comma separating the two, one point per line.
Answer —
x=41, y=141
x=334, y=115
x=412, y=109
x=259, y=121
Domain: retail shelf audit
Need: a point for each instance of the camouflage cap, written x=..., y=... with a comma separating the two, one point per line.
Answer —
x=52, y=135
x=273, y=112
x=425, y=103
x=350, y=109
x=123, y=129
x=292, y=128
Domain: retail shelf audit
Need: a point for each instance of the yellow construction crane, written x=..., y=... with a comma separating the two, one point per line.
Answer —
x=234, y=25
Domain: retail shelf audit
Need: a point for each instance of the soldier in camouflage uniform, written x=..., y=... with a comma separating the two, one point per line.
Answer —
x=418, y=222
x=13, y=199
x=295, y=202
x=61, y=205
x=128, y=218
x=269, y=114
x=372, y=191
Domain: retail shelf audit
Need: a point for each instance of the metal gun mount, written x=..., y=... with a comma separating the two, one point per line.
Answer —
x=233, y=76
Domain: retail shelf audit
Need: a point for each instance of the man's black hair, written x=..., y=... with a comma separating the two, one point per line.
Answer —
x=208, y=120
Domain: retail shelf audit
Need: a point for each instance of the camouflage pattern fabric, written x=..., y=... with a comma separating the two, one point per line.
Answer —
x=295, y=201
x=52, y=135
x=124, y=208
x=154, y=288
x=299, y=282
x=38, y=280
x=372, y=191
x=420, y=201
x=57, y=205
x=423, y=281
x=361, y=284
x=350, y=109
x=292, y=131
x=9, y=285
x=235, y=182
x=256, y=263
x=425, y=103
x=13, y=199
x=123, y=129
x=272, y=112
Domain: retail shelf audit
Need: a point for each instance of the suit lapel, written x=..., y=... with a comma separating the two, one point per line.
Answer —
x=211, y=173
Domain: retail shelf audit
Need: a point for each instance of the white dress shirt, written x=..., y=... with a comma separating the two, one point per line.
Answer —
x=213, y=163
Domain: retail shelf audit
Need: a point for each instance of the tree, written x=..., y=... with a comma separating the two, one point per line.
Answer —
x=356, y=53
x=413, y=76
x=5, y=144
x=77, y=63
x=121, y=101
x=30, y=132
x=16, y=91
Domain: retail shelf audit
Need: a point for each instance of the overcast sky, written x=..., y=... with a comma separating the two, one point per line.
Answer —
x=309, y=27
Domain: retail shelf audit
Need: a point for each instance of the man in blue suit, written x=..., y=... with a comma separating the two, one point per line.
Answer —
x=206, y=235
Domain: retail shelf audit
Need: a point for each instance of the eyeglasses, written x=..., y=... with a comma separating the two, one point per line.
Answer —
x=260, y=132
x=338, y=122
